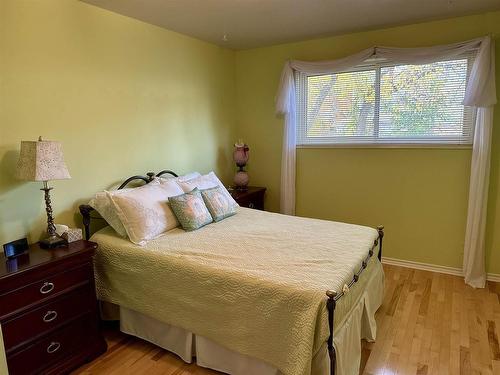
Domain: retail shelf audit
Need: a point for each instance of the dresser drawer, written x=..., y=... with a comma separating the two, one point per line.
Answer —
x=54, y=347
x=29, y=325
x=44, y=289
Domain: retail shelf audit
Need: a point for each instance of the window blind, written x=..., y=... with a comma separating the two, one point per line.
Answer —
x=378, y=103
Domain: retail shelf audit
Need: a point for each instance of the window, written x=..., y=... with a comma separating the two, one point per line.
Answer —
x=379, y=103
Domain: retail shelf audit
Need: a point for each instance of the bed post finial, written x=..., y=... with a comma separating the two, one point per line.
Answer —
x=380, y=229
x=331, y=293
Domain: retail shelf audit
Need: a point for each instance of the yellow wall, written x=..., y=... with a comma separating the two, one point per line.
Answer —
x=420, y=195
x=124, y=97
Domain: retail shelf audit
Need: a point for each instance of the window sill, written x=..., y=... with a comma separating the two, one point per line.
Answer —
x=390, y=145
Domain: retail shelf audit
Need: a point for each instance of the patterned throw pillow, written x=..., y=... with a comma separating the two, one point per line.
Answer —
x=190, y=210
x=217, y=203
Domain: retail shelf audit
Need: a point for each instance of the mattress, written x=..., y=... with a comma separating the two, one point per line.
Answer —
x=254, y=282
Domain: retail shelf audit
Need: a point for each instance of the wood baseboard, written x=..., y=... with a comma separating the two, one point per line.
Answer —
x=434, y=268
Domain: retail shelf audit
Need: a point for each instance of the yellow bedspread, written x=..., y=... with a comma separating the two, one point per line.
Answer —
x=254, y=282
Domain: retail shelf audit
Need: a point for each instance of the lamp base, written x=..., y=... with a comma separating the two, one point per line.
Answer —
x=52, y=242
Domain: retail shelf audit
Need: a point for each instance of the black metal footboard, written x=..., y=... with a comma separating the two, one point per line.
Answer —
x=333, y=296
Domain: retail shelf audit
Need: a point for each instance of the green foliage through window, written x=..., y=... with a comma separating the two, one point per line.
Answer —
x=380, y=103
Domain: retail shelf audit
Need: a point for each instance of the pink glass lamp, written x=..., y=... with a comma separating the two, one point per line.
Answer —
x=240, y=157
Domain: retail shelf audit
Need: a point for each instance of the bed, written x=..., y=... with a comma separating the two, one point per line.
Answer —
x=258, y=292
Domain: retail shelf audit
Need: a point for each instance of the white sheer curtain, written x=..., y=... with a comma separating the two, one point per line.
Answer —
x=473, y=263
x=480, y=93
x=287, y=196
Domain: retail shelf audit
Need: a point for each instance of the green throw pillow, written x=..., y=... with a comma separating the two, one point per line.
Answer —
x=190, y=210
x=217, y=203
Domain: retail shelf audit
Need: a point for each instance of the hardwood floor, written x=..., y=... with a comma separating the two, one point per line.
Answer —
x=429, y=323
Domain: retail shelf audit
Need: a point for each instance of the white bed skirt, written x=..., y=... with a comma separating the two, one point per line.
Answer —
x=347, y=340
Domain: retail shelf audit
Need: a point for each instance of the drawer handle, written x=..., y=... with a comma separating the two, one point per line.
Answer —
x=251, y=205
x=49, y=316
x=53, y=347
x=47, y=288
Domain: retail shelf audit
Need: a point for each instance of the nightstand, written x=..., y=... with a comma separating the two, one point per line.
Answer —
x=253, y=197
x=48, y=309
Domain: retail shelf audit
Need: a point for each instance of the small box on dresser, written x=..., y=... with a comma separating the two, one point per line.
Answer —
x=48, y=310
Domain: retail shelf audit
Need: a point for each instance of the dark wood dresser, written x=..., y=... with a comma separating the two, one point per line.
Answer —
x=252, y=197
x=48, y=309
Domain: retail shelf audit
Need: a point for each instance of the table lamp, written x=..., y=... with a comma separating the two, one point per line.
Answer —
x=43, y=161
x=240, y=157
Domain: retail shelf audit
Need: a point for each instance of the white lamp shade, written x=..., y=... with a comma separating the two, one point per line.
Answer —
x=41, y=161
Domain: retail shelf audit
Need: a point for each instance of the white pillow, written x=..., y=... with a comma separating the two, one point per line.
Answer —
x=206, y=181
x=188, y=177
x=103, y=205
x=183, y=178
x=144, y=211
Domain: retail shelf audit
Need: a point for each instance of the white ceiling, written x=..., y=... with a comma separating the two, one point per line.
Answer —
x=255, y=23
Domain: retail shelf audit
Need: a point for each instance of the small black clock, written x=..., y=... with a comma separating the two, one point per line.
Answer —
x=15, y=248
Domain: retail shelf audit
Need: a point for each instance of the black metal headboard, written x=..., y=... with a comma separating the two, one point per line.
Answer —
x=85, y=209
